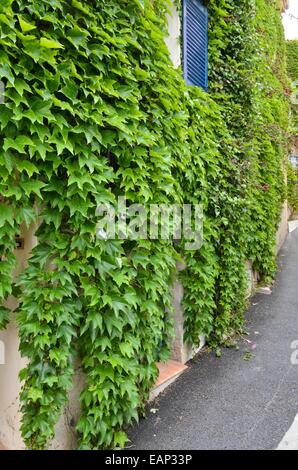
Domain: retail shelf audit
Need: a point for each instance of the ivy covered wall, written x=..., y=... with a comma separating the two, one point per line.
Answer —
x=292, y=67
x=292, y=58
x=249, y=84
x=94, y=109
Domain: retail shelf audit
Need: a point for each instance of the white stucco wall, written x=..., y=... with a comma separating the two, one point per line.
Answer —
x=173, y=40
x=10, y=436
x=283, y=228
x=10, y=365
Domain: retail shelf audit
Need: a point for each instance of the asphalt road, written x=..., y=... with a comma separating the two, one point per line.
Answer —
x=230, y=402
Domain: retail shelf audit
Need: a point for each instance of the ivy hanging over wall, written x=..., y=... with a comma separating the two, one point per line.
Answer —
x=292, y=67
x=86, y=122
x=292, y=193
x=94, y=110
x=250, y=67
x=249, y=84
x=292, y=59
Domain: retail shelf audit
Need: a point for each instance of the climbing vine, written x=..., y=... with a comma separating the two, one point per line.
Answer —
x=95, y=110
x=292, y=193
x=292, y=67
x=249, y=84
x=292, y=59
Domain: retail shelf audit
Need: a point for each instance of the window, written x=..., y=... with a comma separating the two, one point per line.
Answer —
x=195, y=43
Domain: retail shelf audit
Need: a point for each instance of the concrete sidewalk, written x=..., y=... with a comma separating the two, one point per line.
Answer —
x=243, y=400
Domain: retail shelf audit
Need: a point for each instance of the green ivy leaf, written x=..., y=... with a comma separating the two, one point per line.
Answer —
x=25, y=165
x=50, y=44
x=25, y=26
x=35, y=394
x=6, y=215
x=32, y=186
x=4, y=317
x=120, y=439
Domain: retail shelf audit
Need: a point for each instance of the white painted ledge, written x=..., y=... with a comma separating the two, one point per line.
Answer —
x=290, y=441
x=293, y=224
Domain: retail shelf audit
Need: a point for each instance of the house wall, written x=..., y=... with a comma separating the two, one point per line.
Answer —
x=180, y=351
x=284, y=4
x=65, y=438
x=283, y=228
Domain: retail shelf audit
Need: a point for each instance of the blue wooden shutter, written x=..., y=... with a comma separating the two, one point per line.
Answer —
x=195, y=43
